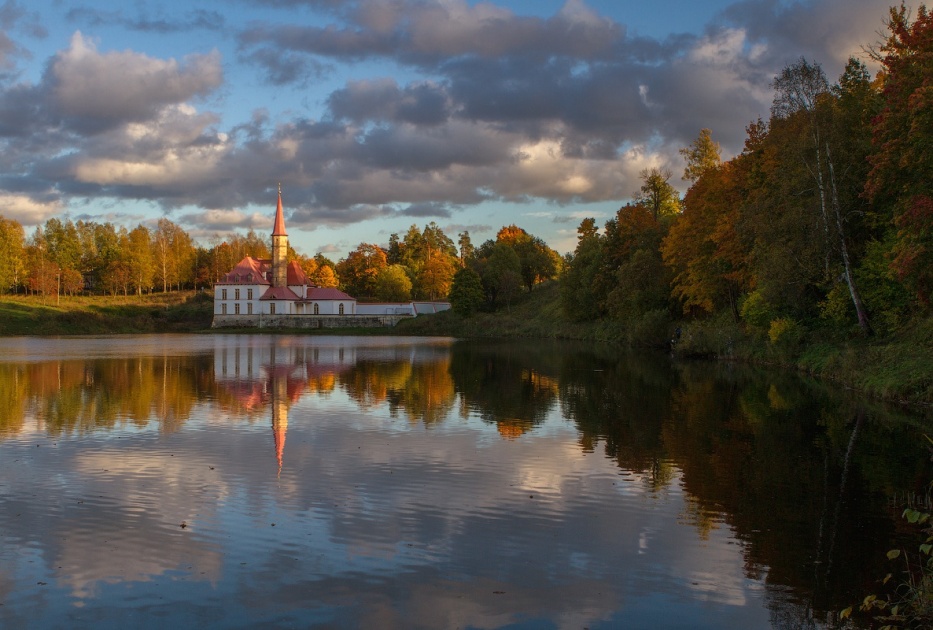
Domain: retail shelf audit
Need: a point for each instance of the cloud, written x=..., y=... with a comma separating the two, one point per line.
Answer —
x=93, y=92
x=483, y=104
x=28, y=210
x=198, y=19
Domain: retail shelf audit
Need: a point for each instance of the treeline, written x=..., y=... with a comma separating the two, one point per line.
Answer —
x=824, y=219
x=67, y=258
x=428, y=265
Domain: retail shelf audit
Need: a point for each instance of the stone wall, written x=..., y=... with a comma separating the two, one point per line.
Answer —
x=306, y=321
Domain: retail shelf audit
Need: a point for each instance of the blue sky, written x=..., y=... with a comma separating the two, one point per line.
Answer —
x=378, y=114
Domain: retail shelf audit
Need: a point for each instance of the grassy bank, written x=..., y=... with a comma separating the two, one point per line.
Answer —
x=898, y=367
x=97, y=315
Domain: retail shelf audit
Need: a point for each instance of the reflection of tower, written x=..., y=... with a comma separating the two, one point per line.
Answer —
x=280, y=402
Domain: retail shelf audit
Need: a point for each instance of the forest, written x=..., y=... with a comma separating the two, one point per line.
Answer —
x=824, y=221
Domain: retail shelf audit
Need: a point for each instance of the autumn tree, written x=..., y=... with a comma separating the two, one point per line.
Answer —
x=436, y=275
x=12, y=243
x=359, y=270
x=173, y=251
x=702, y=156
x=901, y=160
x=139, y=260
x=702, y=247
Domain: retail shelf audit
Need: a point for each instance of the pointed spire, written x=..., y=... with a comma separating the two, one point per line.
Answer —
x=278, y=229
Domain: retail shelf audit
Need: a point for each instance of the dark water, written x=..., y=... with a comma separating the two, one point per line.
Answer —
x=244, y=481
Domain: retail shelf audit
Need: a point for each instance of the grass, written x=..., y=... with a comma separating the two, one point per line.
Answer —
x=95, y=315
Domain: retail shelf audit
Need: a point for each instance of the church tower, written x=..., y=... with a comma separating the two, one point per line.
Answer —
x=279, y=247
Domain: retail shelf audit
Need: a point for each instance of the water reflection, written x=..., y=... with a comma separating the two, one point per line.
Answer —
x=432, y=483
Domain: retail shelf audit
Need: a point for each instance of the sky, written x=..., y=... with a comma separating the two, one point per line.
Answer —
x=375, y=115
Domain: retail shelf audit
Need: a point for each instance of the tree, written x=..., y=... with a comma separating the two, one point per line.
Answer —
x=578, y=285
x=901, y=162
x=393, y=284
x=12, y=242
x=801, y=91
x=325, y=276
x=702, y=156
x=358, y=271
x=466, y=292
x=501, y=276
x=436, y=275
x=173, y=251
x=139, y=260
x=467, y=251
x=657, y=194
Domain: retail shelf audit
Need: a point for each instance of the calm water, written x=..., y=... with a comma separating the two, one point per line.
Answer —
x=236, y=481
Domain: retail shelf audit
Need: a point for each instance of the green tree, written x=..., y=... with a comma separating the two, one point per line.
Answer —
x=393, y=284
x=502, y=278
x=657, y=194
x=803, y=92
x=578, y=284
x=466, y=292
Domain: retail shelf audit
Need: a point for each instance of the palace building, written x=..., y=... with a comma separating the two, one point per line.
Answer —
x=268, y=289
x=276, y=293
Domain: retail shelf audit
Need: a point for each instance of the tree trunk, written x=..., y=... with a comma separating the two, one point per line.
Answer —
x=844, y=250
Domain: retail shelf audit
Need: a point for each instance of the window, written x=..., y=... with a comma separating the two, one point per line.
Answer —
x=317, y=308
x=341, y=308
x=223, y=294
x=249, y=277
x=223, y=309
x=236, y=294
x=249, y=294
x=236, y=308
x=272, y=308
x=249, y=308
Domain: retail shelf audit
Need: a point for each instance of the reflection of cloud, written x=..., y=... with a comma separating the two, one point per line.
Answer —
x=379, y=522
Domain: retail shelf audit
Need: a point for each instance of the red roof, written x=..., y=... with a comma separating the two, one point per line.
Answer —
x=326, y=293
x=279, y=293
x=248, y=271
x=278, y=229
x=296, y=275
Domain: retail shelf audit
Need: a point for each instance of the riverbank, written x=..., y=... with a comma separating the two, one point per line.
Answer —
x=897, y=368
x=185, y=311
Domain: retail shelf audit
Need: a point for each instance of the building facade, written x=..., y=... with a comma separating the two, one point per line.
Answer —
x=275, y=293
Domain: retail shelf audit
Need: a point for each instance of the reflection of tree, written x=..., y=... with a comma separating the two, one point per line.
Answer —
x=422, y=390
x=513, y=388
x=786, y=464
x=620, y=401
x=13, y=393
x=78, y=396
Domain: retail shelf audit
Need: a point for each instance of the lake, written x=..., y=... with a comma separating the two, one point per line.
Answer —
x=236, y=481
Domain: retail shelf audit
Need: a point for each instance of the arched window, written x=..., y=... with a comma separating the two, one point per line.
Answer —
x=341, y=308
x=317, y=308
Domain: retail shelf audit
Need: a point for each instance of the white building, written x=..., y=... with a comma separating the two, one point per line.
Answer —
x=256, y=290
